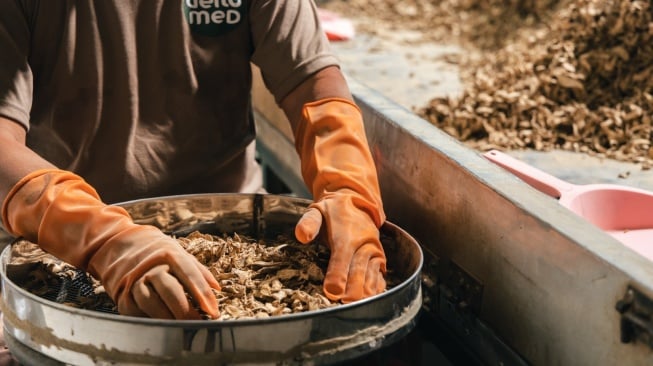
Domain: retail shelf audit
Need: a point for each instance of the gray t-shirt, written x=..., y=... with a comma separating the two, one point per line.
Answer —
x=152, y=97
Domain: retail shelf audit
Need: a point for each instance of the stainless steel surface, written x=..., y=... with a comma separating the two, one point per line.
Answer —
x=84, y=337
x=550, y=279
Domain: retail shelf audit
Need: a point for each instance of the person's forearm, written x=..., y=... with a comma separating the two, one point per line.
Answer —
x=16, y=159
x=339, y=170
x=146, y=272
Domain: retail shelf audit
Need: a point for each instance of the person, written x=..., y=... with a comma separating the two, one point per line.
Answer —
x=107, y=101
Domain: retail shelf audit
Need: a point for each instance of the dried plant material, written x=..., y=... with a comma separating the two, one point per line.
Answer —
x=50, y=278
x=574, y=75
x=259, y=279
x=583, y=86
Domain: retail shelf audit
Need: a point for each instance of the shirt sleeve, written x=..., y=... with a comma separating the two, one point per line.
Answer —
x=15, y=73
x=289, y=44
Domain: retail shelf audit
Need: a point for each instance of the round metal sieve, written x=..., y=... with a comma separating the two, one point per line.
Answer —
x=84, y=337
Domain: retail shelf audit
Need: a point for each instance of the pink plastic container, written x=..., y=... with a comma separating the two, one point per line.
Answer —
x=625, y=213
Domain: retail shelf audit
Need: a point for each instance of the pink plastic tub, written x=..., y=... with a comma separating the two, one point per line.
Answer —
x=625, y=213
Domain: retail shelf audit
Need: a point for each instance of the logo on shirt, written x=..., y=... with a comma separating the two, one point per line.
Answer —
x=213, y=17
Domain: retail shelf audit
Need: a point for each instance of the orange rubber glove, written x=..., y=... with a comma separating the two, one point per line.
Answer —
x=143, y=270
x=338, y=167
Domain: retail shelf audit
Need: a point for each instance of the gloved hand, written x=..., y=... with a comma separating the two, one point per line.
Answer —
x=338, y=167
x=143, y=270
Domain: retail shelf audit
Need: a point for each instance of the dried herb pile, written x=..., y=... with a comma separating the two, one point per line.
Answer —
x=258, y=279
x=575, y=75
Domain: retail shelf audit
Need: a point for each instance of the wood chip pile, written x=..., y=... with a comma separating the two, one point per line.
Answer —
x=575, y=75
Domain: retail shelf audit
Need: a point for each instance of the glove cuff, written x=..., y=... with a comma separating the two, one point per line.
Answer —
x=27, y=195
x=314, y=112
x=335, y=155
x=63, y=214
